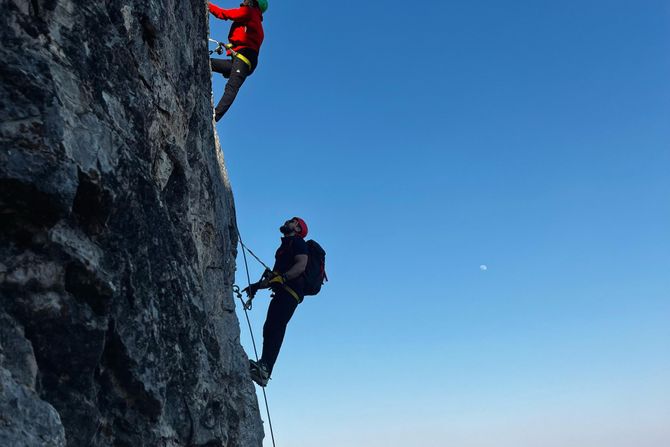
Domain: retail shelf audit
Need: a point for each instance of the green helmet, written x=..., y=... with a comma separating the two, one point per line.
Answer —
x=263, y=4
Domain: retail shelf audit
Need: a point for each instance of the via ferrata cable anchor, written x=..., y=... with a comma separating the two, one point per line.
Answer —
x=220, y=47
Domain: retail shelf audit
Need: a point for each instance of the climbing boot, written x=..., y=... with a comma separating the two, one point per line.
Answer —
x=217, y=115
x=259, y=372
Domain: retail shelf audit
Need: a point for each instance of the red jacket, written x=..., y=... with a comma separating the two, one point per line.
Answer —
x=247, y=28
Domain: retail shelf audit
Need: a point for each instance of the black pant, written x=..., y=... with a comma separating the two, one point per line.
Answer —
x=236, y=70
x=280, y=312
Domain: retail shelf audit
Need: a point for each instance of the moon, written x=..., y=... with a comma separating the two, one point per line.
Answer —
x=483, y=267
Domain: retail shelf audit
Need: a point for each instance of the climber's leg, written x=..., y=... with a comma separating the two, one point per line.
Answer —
x=222, y=66
x=236, y=76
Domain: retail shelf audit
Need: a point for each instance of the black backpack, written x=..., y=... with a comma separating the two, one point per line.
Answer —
x=315, y=272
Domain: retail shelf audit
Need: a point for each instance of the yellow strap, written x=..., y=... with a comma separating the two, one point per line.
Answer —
x=243, y=59
x=293, y=293
x=229, y=46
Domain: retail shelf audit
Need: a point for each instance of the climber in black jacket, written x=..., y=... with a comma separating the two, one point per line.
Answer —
x=287, y=282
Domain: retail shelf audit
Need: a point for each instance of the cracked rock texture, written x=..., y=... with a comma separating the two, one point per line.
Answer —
x=117, y=232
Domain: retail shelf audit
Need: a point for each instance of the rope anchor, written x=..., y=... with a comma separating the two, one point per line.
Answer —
x=245, y=304
x=220, y=46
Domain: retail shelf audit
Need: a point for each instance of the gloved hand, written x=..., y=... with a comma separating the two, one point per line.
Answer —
x=264, y=283
x=252, y=289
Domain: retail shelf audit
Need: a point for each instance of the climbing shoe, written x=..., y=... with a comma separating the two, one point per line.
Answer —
x=259, y=372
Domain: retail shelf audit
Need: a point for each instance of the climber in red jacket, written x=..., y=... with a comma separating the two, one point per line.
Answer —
x=245, y=37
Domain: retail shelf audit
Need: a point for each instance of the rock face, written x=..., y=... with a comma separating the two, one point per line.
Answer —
x=117, y=232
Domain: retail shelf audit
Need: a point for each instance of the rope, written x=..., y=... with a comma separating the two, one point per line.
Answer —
x=246, y=314
x=244, y=247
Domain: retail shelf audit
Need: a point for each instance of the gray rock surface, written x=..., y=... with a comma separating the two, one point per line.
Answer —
x=25, y=419
x=117, y=232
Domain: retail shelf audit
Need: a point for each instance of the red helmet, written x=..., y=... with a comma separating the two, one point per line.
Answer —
x=303, y=227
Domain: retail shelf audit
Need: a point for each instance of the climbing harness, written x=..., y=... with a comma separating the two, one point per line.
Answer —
x=293, y=293
x=220, y=47
x=238, y=293
x=266, y=274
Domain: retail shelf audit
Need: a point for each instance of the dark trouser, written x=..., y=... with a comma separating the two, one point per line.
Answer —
x=236, y=70
x=280, y=312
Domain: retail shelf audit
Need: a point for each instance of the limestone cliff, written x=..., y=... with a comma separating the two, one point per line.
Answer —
x=117, y=232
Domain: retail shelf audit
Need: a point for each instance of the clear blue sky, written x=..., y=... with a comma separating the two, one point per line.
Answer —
x=421, y=140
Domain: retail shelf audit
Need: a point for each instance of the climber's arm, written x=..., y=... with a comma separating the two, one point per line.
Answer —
x=236, y=15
